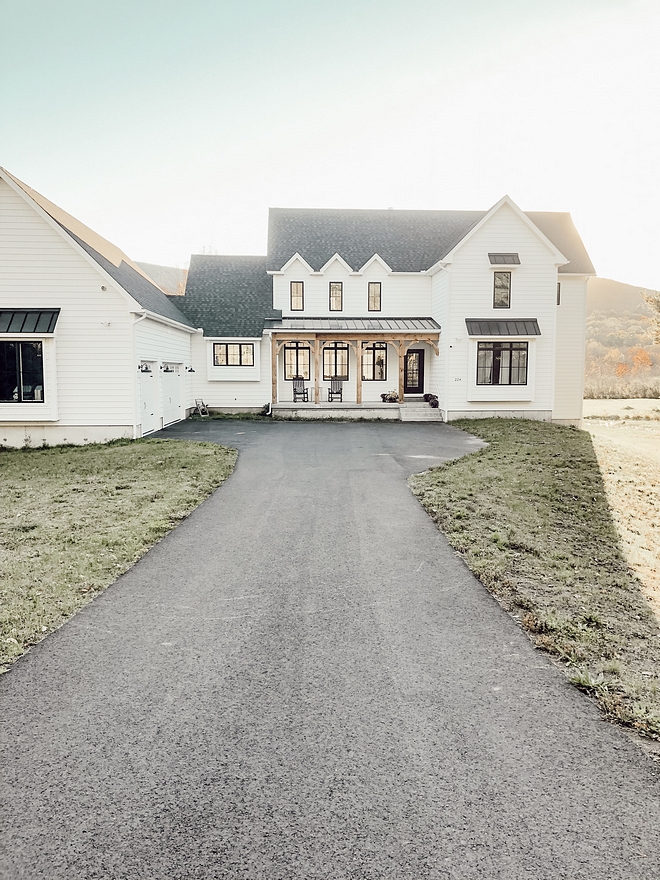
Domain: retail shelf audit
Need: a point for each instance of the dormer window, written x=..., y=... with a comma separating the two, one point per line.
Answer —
x=504, y=259
x=502, y=290
x=297, y=296
x=374, y=296
x=336, y=296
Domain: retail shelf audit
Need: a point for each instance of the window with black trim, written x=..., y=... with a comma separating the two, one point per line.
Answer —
x=296, y=361
x=559, y=293
x=21, y=372
x=336, y=296
x=233, y=354
x=297, y=296
x=374, y=362
x=374, y=296
x=335, y=361
x=502, y=290
x=502, y=363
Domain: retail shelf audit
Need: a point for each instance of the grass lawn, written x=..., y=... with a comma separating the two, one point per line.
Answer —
x=530, y=517
x=73, y=518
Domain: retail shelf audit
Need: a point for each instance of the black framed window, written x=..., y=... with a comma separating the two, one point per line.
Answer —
x=502, y=363
x=296, y=361
x=559, y=293
x=502, y=290
x=233, y=354
x=21, y=372
x=336, y=296
x=335, y=361
x=297, y=296
x=374, y=362
x=374, y=296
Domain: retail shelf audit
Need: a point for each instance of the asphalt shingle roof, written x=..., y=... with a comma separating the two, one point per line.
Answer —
x=138, y=286
x=408, y=241
x=228, y=296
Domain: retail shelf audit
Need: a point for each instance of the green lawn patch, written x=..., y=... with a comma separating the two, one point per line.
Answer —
x=73, y=518
x=530, y=517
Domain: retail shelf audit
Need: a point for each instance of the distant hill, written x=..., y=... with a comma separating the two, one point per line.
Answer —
x=168, y=278
x=605, y=295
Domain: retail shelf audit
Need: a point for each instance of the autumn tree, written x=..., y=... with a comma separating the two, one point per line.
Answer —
x=652, y=299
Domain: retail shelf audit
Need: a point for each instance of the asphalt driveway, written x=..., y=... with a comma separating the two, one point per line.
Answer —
x=303, y=680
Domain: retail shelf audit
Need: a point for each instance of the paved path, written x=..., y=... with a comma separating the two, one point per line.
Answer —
x=303, y=681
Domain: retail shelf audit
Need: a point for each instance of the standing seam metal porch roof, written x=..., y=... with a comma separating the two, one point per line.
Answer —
x=358, y=325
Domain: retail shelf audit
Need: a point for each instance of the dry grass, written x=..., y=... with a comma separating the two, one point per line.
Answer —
x=72, y=519
x=629, y=457
x=530, y=516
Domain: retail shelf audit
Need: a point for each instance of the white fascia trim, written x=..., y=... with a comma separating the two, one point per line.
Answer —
x=437, y=267
x=233, y=338
x=584, y=276
x=376, y=259
x=145, y=313
x=560, y=259
x=332, y=259
x=288, y=263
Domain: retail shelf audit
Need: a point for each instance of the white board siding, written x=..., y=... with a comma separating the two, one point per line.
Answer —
x=440, y=311
x=402, y=295
x=571, y=333
x=227, y=394
x=533, y=295
x=94, y=348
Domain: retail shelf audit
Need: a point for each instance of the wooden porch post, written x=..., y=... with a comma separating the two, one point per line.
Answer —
x=358, y=367
x=401, y=348
x=273, y=359
x=317, y=366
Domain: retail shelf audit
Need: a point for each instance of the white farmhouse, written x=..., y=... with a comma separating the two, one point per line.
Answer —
x=484, y=310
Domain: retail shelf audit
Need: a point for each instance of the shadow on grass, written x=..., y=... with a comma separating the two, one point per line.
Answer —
x=530, y=517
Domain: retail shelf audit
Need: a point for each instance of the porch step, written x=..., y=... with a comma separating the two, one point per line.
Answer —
x=418, y=411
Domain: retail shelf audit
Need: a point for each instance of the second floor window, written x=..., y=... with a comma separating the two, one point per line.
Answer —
x=374, y=296
x=297, y=296
x=336, y=296
x=233, y=354
x=502, y=290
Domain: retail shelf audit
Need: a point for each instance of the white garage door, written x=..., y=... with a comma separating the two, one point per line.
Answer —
x=149, y=398
x=171, y=377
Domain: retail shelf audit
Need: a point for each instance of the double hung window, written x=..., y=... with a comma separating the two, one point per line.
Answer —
x=374, y=296
x=374, y=362
x=297, y=296
x=336, y=290
x=502, y=290
x=335, y=361
x=21, y=372
x=502, y=363
x=233, y=354
x=296, y=361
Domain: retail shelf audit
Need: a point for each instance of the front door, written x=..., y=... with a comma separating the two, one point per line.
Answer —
x=413, y=382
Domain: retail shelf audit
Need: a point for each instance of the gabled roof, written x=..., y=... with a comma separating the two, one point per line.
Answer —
x=106, y=255
x=228, y=296
x=408, y=241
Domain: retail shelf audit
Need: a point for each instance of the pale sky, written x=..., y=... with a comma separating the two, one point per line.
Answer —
x=170, y=127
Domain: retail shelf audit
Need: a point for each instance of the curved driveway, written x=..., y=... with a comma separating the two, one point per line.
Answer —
x=302, y=681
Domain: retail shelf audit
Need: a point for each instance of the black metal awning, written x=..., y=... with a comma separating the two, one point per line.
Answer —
x=28, y=320
x=497, y=327
x=360, y=325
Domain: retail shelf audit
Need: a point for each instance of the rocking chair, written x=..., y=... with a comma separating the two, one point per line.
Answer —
x=300, y=392
x=335, y=390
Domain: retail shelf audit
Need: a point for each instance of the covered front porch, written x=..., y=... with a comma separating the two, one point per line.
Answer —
x=351, y=362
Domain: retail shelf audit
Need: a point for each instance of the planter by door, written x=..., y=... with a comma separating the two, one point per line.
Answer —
x=413, y=382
